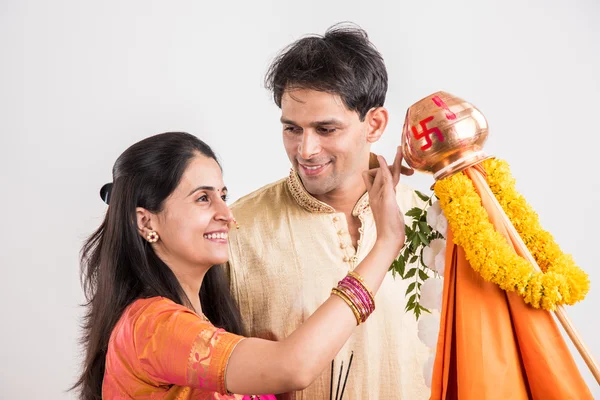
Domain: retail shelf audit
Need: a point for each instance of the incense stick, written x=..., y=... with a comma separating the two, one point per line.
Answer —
x=331, y=382
x=339, y=381
x=346, y=378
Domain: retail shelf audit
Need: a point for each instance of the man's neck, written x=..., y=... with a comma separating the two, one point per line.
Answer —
x=344, y=198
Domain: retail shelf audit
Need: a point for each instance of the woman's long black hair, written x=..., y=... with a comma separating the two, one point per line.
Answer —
x=118, y=266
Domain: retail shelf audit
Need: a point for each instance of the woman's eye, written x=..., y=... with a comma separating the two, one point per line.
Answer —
x=225, y=197
x=202, y=198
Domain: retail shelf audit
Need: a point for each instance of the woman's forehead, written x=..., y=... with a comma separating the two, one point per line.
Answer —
x=202, y=171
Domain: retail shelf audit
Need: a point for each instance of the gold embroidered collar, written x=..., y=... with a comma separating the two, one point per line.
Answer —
x=309, y=203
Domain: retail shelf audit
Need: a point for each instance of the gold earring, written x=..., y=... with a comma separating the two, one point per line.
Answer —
x=236, y=224
x=152, y=237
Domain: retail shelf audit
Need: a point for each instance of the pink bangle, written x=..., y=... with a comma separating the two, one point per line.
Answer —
x=360, y=288
x=357, y=295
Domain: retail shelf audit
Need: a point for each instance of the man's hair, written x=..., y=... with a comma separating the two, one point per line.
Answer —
x=342, y=62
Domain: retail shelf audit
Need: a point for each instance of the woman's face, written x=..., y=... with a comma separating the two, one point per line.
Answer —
x=194, y=223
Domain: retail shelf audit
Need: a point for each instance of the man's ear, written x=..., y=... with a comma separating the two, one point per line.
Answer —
x=376, y=119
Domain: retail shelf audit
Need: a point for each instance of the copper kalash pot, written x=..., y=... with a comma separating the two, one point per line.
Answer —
x=443, y=134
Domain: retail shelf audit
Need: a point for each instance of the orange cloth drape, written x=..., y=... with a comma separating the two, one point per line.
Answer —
x=491, y=344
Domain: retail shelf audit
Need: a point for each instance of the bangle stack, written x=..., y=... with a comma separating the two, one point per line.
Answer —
x=353, y=290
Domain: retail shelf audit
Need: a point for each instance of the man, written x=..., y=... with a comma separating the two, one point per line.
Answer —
x=299, y=236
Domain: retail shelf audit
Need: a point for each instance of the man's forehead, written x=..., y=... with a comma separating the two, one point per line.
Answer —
x=313, y=109
x=307, y=97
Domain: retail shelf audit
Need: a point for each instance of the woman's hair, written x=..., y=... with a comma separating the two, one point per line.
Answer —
x=118, y=266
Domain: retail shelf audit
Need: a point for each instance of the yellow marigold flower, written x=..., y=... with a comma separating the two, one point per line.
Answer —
x=489, y=253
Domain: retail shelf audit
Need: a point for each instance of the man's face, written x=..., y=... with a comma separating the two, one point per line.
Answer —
x=325, y=142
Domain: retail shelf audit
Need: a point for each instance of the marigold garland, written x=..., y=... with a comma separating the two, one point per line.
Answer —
x=488, y=252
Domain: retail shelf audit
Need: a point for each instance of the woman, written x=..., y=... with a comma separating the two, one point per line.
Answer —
x=161, y=323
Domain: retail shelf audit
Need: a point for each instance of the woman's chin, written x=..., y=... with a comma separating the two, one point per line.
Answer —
x=217, y=259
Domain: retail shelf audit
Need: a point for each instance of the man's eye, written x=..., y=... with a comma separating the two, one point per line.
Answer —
x=325, y=131
x=292, y=129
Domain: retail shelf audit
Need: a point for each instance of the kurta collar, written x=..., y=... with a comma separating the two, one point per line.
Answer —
x=311, y=204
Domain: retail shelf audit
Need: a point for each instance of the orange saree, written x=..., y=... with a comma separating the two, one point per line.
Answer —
x=162, y=350
x=491, y=344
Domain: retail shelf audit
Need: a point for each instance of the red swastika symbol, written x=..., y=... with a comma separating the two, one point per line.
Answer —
x=440, y=103
x=426, y=132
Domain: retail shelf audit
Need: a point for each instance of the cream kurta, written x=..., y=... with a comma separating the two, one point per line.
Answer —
x=290, y=250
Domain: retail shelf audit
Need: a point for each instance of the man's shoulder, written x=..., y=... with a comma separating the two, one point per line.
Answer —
x=258, y=200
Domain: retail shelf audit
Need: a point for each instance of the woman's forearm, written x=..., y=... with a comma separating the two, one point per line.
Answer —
x=260, y=366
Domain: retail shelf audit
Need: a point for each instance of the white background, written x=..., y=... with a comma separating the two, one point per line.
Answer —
x=82, y=80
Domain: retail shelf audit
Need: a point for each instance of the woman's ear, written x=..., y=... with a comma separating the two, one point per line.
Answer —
x=145, y=221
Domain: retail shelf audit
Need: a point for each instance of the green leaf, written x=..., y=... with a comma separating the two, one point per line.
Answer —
x=422, y=196
x=423, y=309
x=393, y=267
x=424, y=228
x=433, y=235
x=398, y=265
x=401, y=266
x=414, y=212
x=408, y=231
x=413, y=259
x=417, y=312
x=423, y=239
x=410, y=236
x=414, y=245
x=410, y=288
x=411, y=272
x=423, y=275
x=410, y=307
x=417, y=239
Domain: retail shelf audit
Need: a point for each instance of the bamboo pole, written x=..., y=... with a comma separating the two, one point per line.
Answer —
x=560, y=312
